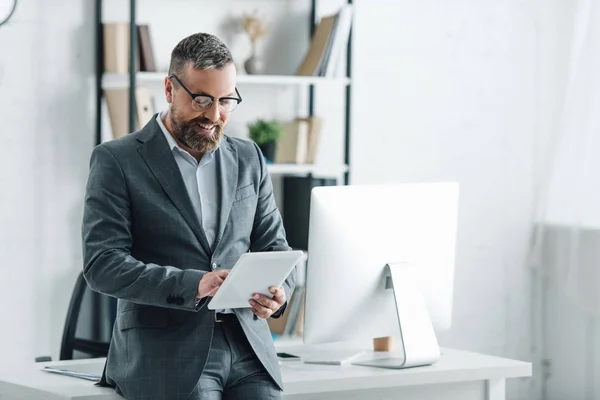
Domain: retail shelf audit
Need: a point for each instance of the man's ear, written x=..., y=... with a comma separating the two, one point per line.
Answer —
x=168, y=90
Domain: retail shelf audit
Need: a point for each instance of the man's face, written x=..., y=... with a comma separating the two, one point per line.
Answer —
x=196, y=127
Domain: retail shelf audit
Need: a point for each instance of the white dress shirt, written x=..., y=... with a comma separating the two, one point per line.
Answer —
x=201, y=182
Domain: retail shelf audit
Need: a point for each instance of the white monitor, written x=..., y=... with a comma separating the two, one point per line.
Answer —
x=354, y=233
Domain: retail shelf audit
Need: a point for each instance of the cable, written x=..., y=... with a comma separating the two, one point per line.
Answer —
x=10, y=14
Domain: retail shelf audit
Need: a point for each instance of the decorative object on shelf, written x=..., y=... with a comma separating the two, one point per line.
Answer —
x=255, y=29
x=266, y=134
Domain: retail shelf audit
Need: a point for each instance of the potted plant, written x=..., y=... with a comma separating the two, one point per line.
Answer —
x=265, y=134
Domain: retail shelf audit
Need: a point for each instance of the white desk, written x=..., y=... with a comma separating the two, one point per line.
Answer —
x=458, y=375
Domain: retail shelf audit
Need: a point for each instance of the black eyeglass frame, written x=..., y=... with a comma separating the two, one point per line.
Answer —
x=213, y=99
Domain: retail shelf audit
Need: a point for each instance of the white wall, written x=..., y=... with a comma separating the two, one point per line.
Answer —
x=47, y=133
x=460, y=82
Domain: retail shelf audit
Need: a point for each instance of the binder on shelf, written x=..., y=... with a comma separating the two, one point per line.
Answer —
x=117, y=101
x=144, y=106
x=116, y=48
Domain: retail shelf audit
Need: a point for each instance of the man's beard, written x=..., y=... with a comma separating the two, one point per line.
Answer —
x=187, y=132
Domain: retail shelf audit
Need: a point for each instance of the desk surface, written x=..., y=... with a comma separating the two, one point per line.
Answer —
x=29, y=382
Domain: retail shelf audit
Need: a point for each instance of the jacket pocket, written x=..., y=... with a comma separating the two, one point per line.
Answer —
x=244, y=192
x=144, y=318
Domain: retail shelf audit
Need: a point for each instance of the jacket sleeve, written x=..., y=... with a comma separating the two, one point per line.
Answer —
x=268, y=233
x=109, y=267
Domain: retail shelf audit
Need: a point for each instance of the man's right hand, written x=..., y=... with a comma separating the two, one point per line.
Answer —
x=211, y=282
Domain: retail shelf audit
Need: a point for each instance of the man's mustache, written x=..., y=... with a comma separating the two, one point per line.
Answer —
x=205, y=121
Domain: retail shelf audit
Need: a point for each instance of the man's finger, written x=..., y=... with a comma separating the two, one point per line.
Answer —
x=261, y=311
x=221, y=273
x=261, y=307
x=266, y=302
x=217, y=281
x=278, y=294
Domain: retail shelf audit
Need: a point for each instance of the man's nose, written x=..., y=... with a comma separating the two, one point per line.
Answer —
x=213, y=112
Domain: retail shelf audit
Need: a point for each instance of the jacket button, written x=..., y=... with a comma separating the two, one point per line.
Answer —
x=214, y=265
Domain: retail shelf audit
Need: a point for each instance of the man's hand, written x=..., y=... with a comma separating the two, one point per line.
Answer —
x=264, y=307
x=211, y=282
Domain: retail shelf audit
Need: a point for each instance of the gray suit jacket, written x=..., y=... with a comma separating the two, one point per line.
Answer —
x=143, y=244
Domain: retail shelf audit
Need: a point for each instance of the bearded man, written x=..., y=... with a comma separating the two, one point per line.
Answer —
x=168, y=211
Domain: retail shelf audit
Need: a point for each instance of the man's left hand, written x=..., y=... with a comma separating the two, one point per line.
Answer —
x=264, y=307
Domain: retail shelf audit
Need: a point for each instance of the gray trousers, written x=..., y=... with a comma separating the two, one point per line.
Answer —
x=233, y=372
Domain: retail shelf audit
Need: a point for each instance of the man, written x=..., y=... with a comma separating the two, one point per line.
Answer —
x=168, y=211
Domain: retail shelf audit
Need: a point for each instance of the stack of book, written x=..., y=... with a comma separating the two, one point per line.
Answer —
x=299, y=141
x=328, y=43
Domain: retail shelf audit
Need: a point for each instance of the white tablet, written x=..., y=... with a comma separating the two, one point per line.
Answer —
x=254, y=273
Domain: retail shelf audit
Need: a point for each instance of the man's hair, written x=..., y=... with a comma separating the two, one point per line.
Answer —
x=204, y=50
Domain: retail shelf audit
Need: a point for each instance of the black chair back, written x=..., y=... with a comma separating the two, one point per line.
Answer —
x=70, y=343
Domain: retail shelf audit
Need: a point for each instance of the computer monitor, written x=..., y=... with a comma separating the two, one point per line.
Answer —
x=362, y=236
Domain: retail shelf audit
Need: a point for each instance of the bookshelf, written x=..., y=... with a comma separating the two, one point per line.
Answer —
x=309, y=84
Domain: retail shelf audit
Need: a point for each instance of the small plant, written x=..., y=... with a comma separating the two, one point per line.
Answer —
x=263, y=132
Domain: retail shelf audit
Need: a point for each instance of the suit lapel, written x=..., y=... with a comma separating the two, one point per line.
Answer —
x=159, y=158
x=228, y=174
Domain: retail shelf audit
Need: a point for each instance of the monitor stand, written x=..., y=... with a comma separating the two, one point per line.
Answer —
x=419, y=343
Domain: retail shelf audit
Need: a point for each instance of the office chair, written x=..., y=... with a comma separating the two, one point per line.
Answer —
x=70, y=343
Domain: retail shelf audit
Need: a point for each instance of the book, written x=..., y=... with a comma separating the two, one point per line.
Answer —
x=316, y=52
x=147, y=60
x=116, y=48
x=293, y=145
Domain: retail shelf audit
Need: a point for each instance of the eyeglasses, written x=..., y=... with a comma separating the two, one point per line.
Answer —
x=203, y=102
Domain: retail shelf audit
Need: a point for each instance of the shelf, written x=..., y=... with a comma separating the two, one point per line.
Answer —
x=304, y=169
x=121, y=81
